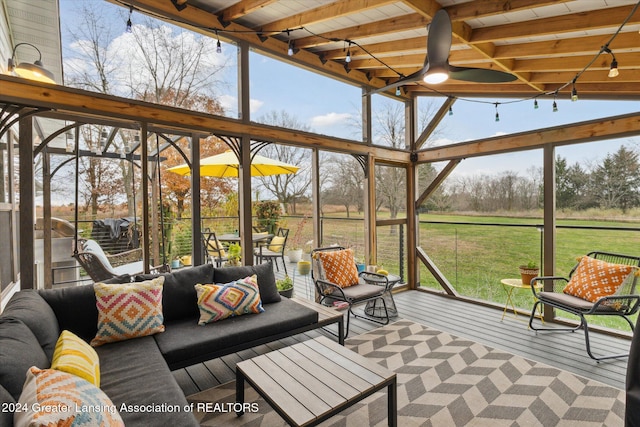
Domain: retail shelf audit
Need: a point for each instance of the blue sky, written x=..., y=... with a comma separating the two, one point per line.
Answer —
x=326, y=106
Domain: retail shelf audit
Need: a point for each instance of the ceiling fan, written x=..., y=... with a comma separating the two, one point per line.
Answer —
x=436, y=68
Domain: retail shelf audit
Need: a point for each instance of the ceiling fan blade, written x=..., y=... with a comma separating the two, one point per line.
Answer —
x=480, y=75
x=411, y=78
x=439, y=39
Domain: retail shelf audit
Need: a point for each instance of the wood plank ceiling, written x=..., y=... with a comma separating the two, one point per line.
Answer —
x=545, y=43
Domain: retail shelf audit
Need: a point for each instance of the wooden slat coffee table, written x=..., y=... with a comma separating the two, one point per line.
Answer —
x=309, y=382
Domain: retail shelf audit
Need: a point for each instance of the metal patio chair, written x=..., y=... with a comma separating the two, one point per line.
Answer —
x=624, y=303
x=353, y=295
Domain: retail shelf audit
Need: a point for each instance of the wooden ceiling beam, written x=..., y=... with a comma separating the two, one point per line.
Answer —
x=575, y=63
x=590, y=76
x=242, y=8
x=385, y=26
x=627, y=42
x=324, y=13
x=483, y=8
x=596, y=19
x=84, y=103
x=589, y=131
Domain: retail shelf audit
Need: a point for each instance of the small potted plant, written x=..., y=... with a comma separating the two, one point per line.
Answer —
x=285, y=287
x=529, y=271
x=294, y=252
x=234, y=255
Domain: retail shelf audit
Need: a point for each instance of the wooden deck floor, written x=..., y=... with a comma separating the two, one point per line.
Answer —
x=563, y=350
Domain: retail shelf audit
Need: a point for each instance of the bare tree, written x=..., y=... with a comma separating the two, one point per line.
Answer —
x=287, y=189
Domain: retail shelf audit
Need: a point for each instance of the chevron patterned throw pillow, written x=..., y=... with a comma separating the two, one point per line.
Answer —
x=128, y=310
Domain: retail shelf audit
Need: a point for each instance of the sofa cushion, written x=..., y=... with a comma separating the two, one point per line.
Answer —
x=135, y=373
x=179, y=296
x=18, y=352
x=75, y=309
x=128, y=310
x=219, y=301
x=6, y=416
x=266, y=279
x=70, y=395
x=74, y=356
x=185, y=342
x=30, y=308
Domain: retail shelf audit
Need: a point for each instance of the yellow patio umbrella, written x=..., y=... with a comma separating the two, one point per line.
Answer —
x=225, y=165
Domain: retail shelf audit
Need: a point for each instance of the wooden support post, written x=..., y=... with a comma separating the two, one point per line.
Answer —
x=146, y=256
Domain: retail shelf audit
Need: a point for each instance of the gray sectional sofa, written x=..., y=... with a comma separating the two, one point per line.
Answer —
x=138, y=371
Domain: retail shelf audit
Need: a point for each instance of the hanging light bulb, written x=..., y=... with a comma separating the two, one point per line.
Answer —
x=450, y=111
x=69, y=142
x=348, y=58
x=574, y=94
x=535, y=104
x=128, y=29
x=218, y=45
x=555, y=106
x=398, y=93
x=613, y=71
x=290, y=50
x=497, y=114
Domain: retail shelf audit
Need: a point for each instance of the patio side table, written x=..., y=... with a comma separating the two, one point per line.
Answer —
x=374, y=308
x=509, y=285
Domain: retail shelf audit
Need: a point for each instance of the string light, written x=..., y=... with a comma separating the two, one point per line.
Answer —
x=128, y=29
x=69, y=145
x=398, y=92
x=218, y=45
x=535, y=104
x=348, y=58
x=574, y=93
x=450, y=110
x=555, y=104
x=497, y=114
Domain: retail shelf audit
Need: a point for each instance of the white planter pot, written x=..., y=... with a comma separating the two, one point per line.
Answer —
x=294, y=255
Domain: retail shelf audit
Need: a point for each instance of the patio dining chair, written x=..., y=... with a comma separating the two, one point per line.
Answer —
x=214, y=251
x=601, y=284
x=336, y=279
x=274, y=249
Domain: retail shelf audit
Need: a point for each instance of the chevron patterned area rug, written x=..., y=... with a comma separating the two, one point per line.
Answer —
x=444, y=380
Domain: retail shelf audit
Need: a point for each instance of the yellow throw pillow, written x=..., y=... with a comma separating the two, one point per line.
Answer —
x=74, y=356
x=276, y=244
x=594, y=279
x=339, y=267
x=213, y=247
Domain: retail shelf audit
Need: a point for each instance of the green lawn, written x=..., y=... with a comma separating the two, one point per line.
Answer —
x=475, y=257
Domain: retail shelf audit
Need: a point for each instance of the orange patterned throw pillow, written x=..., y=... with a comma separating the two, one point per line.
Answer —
x=594, y=279
x=339, y=267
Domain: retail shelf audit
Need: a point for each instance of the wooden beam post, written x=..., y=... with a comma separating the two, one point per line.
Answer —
x=244, y=174
x=144, y=183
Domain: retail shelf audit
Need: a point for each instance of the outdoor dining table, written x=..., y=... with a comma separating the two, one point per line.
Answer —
x=235, y=238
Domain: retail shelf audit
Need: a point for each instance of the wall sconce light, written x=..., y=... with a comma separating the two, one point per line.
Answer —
x=35, y=71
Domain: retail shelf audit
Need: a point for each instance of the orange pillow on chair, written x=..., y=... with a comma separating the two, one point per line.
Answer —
x=594, y=279
x=339, y=267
